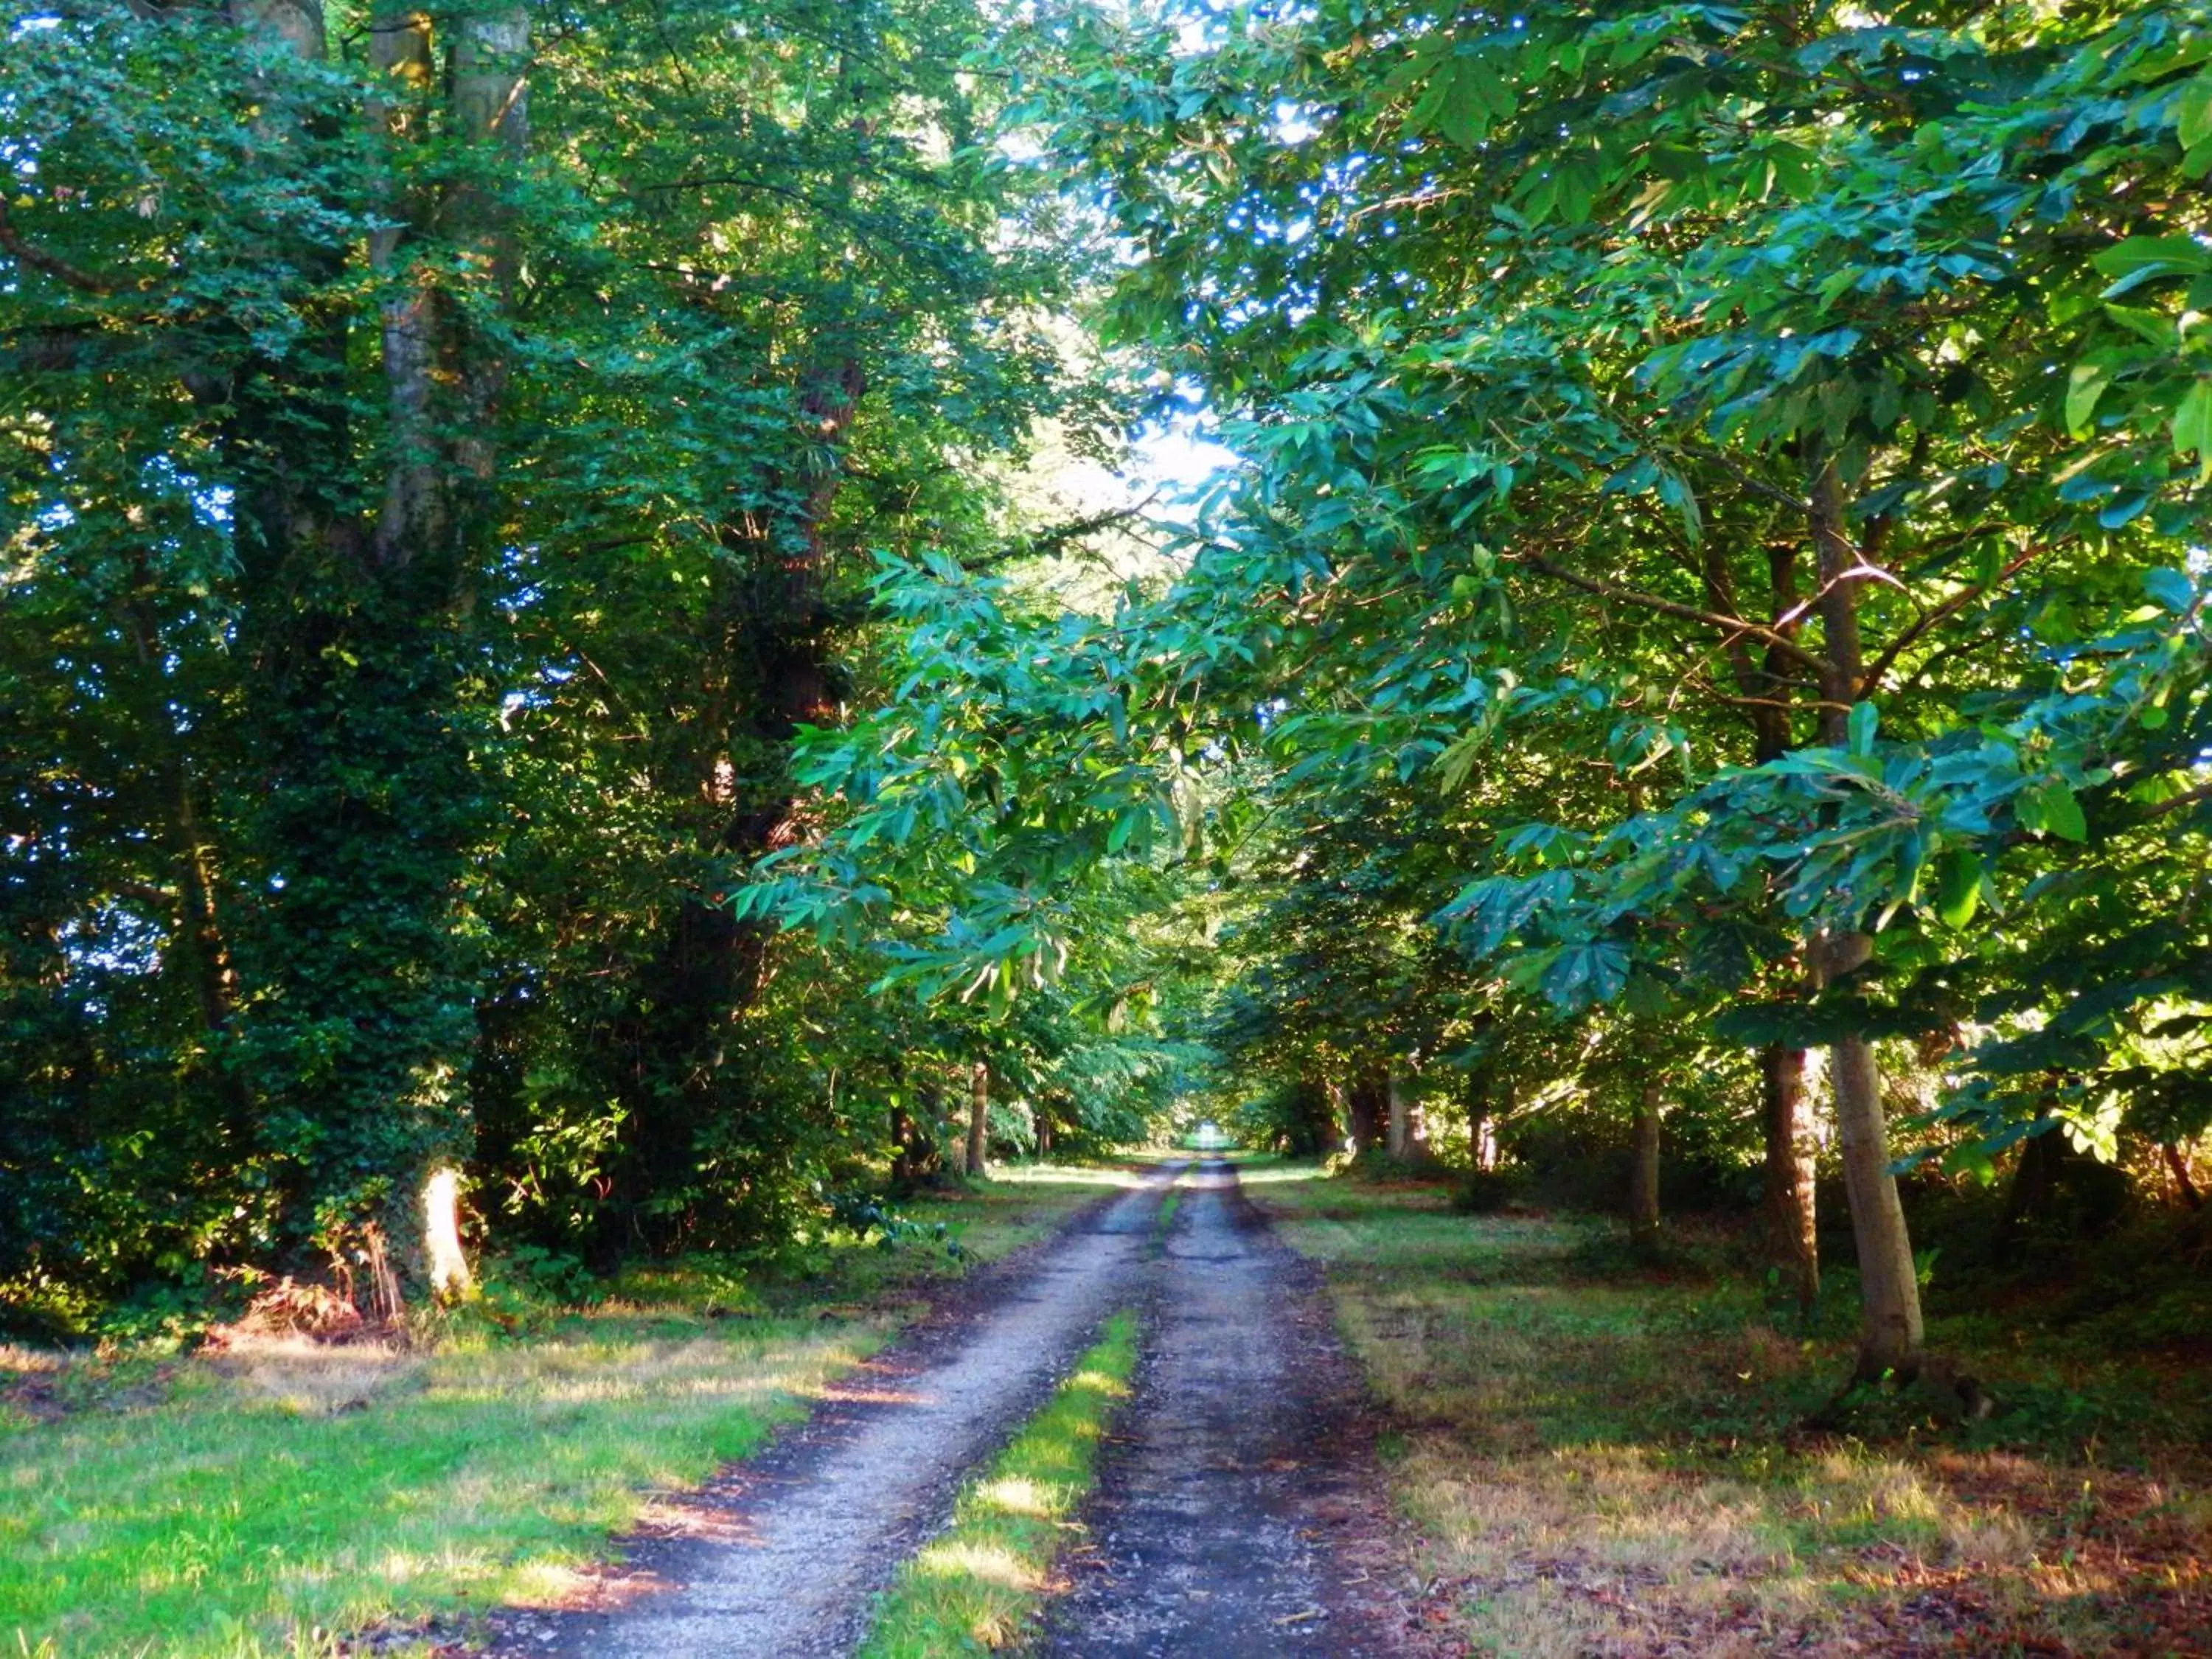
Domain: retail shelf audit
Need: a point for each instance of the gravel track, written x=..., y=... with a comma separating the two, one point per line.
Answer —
x=1241, y=1517
x=778, y=1557
x=1238, y=1517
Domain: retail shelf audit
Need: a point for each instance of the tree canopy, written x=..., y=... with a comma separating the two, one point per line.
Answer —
x=527, y=647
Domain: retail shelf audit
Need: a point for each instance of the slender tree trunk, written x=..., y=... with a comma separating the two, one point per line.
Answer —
x=1790, y=1154
x=1643, y=1171
x=1401, y=1119
x=1892, y=1335
x=906, y=1167
x=2177, y=1167
x=1792, y=1237
x=1481, y=1150
x=979, y=1117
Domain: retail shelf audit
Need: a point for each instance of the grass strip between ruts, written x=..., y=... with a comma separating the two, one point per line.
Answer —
x=980, y=1584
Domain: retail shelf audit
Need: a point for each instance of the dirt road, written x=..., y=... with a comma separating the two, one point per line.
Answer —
x=1241, y=1519
x=1236, y=1516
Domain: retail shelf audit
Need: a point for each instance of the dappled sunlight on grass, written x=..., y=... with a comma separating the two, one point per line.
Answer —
x=1600, y=1458
x=983, y=1582
x=987, y=1564
x=235, y=1504
x=1279, y=1174
x=1020, y=1495
x=282, y=1489
x=1095, y=1176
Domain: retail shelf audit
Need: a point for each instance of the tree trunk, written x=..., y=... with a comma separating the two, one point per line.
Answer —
x=1891, y=1337
x=764, y=644
x=1788, y=1208
x=447, y=1262
x=1644, y=1172
x=1766, y=684
x=2177, y=1167
x=1368, y=1103
x=2034, y=1183
x=1481, y=1141
x=1401, y=1119
x=979, y=1117
x=362, y=789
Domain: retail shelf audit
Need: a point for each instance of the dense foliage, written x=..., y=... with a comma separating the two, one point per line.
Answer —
x=1707, y=622
x=1716, y=540
x=443, y=453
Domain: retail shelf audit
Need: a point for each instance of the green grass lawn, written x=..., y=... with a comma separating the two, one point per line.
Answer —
x=979, y=1586
x=1604, y=1458
x=278, y=1497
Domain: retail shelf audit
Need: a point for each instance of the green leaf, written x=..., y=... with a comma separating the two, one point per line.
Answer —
x=1959, y=886
x=1973, y=1160
x=1862, y=722
x=2142, y=259
x=2153, y=328
x=2171, y=588
x=2192, y=112
x=1464, y=116
x=2083, y=388
x=2192, y=428
x=2050, y=808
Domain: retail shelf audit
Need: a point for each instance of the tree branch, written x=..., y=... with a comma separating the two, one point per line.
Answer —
x=53, y=265
x=2177, y=803
x=1949, y=608
x=1731, y=626
x=1049, y=541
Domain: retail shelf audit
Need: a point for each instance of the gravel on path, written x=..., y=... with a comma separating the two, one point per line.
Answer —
x=1242, y=1516
x=778, y=1557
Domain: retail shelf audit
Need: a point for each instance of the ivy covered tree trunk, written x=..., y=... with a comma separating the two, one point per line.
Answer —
x=1891, y=1335
x=764, y=648
x=365, y=802
x=1644, y=1170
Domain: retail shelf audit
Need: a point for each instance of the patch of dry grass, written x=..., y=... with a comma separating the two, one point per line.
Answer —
x=1610, y=1463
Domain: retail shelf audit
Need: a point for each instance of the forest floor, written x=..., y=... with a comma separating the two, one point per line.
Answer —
x=1606, y=1458
x=284, y=1498
x=1154, y=1424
